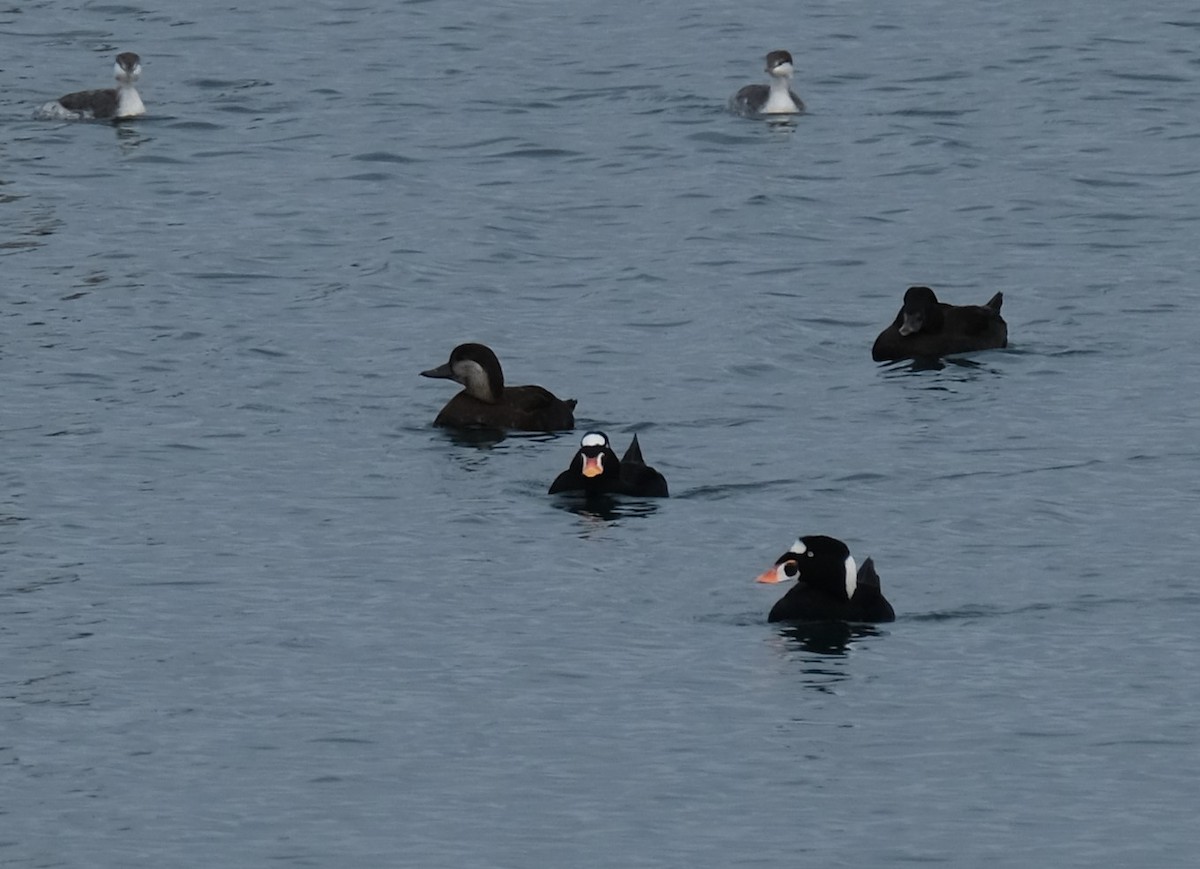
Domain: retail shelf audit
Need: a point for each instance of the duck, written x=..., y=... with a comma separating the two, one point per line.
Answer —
x=485, y=402
x=829, y=587
x=596, y=470
x=777, y=98
x=120, y=102
x=927, y=328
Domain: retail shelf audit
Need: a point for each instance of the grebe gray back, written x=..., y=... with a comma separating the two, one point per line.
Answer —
x=122, y=101
x=774, y=99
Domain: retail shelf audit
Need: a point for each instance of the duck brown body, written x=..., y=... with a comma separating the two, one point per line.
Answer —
x=485, y=402
x=928, y=328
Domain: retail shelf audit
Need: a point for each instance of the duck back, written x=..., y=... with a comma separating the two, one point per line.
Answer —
x=809, y=602
x=522, y=408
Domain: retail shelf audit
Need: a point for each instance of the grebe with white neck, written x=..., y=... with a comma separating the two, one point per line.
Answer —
x=122, y=101
x=774, y=99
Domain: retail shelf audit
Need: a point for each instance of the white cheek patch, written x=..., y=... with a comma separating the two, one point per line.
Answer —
x=798, y=547
x=471, y=375
x=851, y=576
x=593, y=439
x=465, y=369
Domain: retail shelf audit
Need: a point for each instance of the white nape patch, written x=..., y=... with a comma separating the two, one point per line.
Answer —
x=851, y=576
x=593, y=439
x=129, y=104
x=798, y=547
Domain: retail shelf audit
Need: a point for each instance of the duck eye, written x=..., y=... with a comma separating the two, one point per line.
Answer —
x=790, y=569
x=809, y=553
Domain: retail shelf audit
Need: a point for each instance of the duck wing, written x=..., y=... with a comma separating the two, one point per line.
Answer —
x=538, y=409
x=978, y=319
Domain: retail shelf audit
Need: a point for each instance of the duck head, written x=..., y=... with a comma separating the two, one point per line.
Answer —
x=476, y=367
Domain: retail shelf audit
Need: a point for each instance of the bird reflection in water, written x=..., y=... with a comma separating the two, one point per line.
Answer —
x=826, y=638
x=605, y=508
x=822, y=649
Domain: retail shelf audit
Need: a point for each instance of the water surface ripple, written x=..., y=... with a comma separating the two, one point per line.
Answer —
x=254, y=609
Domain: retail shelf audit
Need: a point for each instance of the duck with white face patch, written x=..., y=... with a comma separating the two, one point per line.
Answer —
x=829, y=586
x=486, y=403
x=596, y=470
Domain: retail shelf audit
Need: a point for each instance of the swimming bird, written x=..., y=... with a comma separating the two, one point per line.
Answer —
x=485, y=402
x=595, y=470
x=122, y=101
x=927, y=328
x=828, y=586
x=775, y=99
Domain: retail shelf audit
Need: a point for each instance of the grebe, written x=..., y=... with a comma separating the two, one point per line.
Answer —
x=776, y=99
x=122, y=101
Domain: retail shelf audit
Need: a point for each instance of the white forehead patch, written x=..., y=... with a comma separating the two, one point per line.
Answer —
x=851, y=576
x=593, y=439
x=798, y=547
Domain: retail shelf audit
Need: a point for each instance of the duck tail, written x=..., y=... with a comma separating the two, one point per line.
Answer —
x=867, y=575
x=634, y=453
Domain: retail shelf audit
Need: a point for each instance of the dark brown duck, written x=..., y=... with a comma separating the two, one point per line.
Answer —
x=927, y=328
x=485, y=402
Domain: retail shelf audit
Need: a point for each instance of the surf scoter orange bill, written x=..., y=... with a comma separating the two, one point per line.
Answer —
x=828, y=586
x=596, y=470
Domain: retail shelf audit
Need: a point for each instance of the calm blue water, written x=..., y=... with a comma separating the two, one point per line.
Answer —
x=255, y=610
